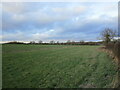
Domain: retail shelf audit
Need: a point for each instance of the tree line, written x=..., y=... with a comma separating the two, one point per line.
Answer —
x=107, y=37
x=69, y=42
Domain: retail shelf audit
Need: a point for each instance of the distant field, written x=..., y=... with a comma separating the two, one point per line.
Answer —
x=37, y=66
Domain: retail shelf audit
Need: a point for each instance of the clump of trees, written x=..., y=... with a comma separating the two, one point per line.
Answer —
x=68, y=42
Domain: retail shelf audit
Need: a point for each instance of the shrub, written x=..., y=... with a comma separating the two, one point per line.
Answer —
x=115, y=48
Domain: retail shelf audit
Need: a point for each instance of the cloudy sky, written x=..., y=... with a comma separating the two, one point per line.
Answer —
x=28, y=21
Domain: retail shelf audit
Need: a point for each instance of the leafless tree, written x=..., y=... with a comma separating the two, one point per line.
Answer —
x=52, y=42
x=57, y=42
x=107, y=35
x=68, y=41
x=40, y=41
x=32, y=42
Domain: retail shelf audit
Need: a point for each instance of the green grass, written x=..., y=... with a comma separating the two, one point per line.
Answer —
x=62, y=66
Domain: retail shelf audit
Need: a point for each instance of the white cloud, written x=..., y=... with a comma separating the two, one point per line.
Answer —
x=50, y=21
x=14, y=36
x=58, y=14
x=108, y=9
x=15, y=8
x=43, y=15
x=69, y=10
x=19, y=18
x=60, y=0
x=47, y=34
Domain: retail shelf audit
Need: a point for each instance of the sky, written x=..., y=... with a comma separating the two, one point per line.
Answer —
x=58, y=21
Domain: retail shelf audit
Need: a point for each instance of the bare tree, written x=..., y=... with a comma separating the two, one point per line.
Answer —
x=72, y=42
x=40, y=41
x=82, y=42
x=107, y=35
x=52, y=42
x=68, y=41
x=32, y=42
x=57, y=42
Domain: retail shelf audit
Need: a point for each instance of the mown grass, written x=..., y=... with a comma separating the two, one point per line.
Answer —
x=62, y=66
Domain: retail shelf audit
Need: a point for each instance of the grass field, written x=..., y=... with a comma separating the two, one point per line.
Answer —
x=41, y=66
